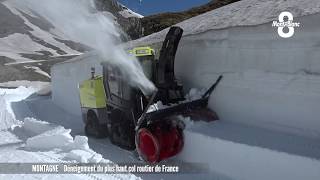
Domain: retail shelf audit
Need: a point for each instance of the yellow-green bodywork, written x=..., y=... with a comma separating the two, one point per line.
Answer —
x=142, y=51
x=92, y=93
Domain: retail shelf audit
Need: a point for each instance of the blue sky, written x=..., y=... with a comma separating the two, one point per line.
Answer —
x=149, y=7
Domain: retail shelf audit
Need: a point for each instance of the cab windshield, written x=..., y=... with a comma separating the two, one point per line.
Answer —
x=147, y=65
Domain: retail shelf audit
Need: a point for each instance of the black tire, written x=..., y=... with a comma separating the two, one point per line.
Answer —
x=93, y=128
x=122, y=132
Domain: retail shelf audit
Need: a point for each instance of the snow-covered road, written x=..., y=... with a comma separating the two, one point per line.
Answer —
x=223, y=146
x=26, y=140
x=35, y=141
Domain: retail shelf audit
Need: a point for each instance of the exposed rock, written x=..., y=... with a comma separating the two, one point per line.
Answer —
x=158, y=22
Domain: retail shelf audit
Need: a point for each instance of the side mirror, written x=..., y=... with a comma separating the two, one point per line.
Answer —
x=93, y=72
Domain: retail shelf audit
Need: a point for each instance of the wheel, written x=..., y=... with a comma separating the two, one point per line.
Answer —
x=122, y=132
x=93, y=128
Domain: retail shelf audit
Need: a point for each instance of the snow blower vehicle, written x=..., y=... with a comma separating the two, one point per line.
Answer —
x=112, y=107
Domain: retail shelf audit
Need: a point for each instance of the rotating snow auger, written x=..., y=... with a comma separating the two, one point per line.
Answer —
x=111, y=107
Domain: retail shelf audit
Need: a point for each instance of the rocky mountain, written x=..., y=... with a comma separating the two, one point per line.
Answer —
x=158, y=22
x=28, y=42
x=129, y=21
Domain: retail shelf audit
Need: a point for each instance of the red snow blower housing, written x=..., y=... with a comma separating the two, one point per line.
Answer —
x=159, y=141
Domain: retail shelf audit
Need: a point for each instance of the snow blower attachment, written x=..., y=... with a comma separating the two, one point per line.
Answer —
x=159, y=133
x=112, y=107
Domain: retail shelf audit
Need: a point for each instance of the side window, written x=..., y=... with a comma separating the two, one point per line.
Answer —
x=126, y=94
x=117, y=85
x=114, y=80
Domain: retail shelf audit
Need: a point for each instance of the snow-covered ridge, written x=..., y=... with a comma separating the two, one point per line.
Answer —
x=129, y=13
x=241, y=13
x=126, y=12
x=25, y=35
x=36, y=35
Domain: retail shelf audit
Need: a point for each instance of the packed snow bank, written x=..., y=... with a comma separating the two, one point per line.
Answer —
x=247, y=153
x=35, y=141
x=285, y=102
x=36, y=127
x=24, y=83
x=268, y=81
x=6, y=118
x=23, y=90
x=66, y=78
x=56, y=138
x=84, y=156
x=7, y=96
x=46, y=136
x=45, y=90
x=80, y=142
x=241, y=13
x=8, y=138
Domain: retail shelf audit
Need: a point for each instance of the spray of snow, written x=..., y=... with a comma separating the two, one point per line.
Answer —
x=81, y=22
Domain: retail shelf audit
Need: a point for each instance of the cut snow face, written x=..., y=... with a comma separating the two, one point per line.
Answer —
x=270, y=82
x=56, y=138
x=92, y=28
x=6, y=118
x=241, y=13
x=13, y=95
x=36, y=127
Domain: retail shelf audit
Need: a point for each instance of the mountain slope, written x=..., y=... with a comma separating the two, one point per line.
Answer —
x=129, y=21
x=26, y=38
x=158, y=22
x=24, y=34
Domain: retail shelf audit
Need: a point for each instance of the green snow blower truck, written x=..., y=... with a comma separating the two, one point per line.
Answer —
x=112, y=108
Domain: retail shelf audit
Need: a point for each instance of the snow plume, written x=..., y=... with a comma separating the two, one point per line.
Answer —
x=81, y=22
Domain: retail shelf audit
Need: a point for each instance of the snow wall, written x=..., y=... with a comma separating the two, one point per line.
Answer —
x=66, y=77
x=268, y=81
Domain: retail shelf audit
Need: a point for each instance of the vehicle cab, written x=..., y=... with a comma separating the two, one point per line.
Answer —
x=146, y=57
